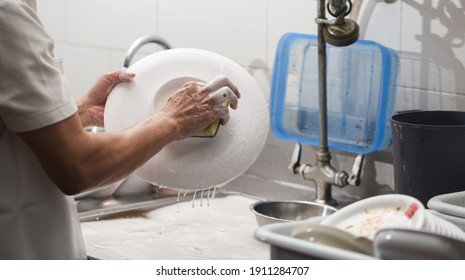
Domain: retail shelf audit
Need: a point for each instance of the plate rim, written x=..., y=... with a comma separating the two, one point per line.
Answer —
x=221, y=60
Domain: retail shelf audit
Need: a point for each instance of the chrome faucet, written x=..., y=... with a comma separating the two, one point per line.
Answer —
x=323, y=173
x=139, y=42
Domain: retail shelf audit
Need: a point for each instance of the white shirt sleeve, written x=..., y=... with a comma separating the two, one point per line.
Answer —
x=33, y=92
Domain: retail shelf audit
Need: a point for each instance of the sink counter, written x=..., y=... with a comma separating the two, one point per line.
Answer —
x=215, y=228
x=158, y=226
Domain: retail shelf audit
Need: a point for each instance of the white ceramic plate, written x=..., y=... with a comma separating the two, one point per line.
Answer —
x=449, y=203
x=194, y=163
x=366, y=217
x=459, y=222
x=438, y=225
x=332, y=236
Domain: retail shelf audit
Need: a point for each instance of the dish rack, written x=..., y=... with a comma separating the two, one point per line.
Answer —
x=361, y=87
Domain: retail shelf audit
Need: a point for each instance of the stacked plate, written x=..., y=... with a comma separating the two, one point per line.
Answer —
x=438, y=225
x=450, y=207
x=367, y=217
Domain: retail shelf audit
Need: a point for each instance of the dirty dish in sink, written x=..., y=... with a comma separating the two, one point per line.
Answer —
x=334, y=237
x=366, y=217
x=194, y=163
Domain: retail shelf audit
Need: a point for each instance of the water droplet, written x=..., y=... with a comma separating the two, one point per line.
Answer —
x=201, y=198
x=193, y=199
x=214, y=193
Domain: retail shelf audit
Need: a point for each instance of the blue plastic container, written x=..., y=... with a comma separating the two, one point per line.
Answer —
x=361, y=86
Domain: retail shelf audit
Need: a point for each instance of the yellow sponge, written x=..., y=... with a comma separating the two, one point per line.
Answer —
x=210, y=131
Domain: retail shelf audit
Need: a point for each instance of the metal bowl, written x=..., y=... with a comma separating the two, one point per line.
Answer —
x=278, y=211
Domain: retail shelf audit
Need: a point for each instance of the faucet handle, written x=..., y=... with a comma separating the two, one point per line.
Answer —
x=354, y=177
x=295, y=159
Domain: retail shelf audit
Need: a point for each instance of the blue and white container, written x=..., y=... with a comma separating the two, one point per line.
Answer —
x=361, y=86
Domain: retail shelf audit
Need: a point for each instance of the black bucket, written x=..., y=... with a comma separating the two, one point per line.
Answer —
x=428, y=153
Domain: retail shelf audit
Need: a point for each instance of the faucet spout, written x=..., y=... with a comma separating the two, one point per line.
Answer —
x=139, y=42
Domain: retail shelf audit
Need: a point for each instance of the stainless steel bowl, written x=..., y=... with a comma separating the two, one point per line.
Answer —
x=277, y=211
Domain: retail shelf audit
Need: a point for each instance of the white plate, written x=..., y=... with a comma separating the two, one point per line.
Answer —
x=459, y=222
x=449, y=203
x=332, y=236
x=194, y=163
x=366, y=217
x=438, y=225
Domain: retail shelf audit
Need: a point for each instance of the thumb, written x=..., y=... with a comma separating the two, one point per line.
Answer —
x=108, y=81
x=124, y=76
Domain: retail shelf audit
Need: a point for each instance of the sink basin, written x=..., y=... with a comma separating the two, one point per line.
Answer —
x=92, y=209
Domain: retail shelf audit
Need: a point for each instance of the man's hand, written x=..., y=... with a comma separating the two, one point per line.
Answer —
x=92, y=106
x=196, y=105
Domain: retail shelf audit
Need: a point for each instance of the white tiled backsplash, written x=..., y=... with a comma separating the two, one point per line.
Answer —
x=93, y=35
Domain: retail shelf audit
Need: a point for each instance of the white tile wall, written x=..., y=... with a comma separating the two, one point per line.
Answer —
x=297, y=16
x=52, y=14
x=234, y=28
x=93, y=36
x=84, y=64
x=109, y=24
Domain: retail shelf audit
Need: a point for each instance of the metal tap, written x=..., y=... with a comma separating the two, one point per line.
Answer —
x=340, y=31
x=323, y=173
x=139, y=42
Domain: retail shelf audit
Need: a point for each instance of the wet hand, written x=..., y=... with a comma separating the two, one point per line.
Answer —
x=92, y=106
x=197, y=105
